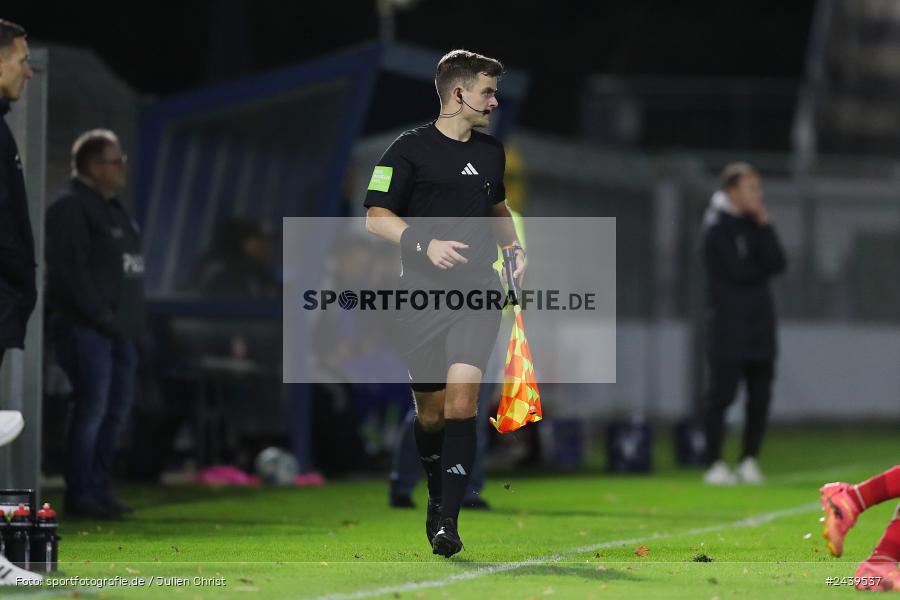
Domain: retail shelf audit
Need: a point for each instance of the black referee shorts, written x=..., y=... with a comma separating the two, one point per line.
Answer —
x=469, y=340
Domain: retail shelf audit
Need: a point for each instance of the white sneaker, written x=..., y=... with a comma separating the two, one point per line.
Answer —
x=748, y=472
x=719, y=474
x=11, y=424
x=10, y=574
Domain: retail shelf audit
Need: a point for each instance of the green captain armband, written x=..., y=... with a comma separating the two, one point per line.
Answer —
x=381, y=179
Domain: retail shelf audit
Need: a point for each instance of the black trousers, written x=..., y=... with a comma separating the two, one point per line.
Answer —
x=724, y=378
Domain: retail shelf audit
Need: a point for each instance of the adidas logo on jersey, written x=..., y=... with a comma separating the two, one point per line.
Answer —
x=469, y=170
x=457, y=469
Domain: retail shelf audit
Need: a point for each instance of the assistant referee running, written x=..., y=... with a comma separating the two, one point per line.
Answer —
x=434, y=192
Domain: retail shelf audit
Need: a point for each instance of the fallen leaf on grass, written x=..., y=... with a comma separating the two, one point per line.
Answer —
x=245, y=580
x=642, y=551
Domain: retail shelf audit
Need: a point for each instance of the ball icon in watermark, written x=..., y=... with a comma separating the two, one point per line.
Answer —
x=348, y=300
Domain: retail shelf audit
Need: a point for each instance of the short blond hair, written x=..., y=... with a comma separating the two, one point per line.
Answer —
x=463, y=66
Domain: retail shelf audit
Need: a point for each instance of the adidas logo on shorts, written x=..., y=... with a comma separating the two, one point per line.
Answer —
x=457, y=469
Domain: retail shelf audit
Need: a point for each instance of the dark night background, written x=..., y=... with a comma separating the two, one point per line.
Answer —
x=162, y=48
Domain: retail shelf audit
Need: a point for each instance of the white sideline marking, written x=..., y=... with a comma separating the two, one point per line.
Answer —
x=752, y=521
x=839, y=471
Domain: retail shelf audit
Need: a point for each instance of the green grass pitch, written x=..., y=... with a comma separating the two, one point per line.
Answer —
x=548, y=536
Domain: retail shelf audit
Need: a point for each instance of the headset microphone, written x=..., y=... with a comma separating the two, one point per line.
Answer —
x=453, y=114
x=484, y=112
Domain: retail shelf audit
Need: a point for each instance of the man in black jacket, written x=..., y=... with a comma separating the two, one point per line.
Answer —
x=18, y=292
x=741, y=253
x=17, y=286
x=95, y=289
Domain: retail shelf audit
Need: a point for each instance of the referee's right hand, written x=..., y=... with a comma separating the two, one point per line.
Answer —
x=443, y=254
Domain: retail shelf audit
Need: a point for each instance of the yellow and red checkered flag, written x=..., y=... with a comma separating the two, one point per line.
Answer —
x=520, y=400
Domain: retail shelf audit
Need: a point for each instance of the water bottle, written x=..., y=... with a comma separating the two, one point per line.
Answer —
x=18, y=542
x=45, y=541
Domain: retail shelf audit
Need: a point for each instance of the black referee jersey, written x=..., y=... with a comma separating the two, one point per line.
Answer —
x=446, y=189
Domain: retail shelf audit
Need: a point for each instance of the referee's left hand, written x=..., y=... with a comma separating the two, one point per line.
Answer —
x=519, y=271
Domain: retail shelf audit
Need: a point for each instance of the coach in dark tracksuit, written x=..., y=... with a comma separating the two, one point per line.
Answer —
x=18, y=292
x=741, y=253
x=95, y=289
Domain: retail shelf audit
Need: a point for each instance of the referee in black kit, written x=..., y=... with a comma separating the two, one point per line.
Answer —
x=433, y=193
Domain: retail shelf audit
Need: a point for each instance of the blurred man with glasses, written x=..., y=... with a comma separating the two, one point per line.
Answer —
x=95, y=271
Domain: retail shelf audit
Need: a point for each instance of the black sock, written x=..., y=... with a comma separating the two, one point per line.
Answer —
x=459, y=456
x=430, y=445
